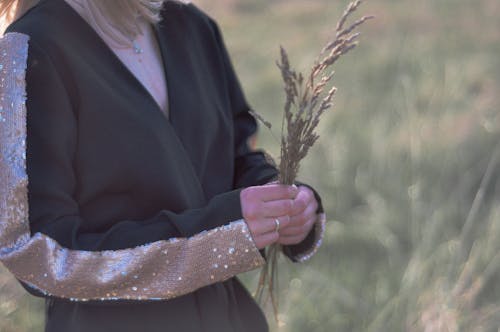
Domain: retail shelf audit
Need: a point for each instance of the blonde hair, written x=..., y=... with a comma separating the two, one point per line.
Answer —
x=121, y=15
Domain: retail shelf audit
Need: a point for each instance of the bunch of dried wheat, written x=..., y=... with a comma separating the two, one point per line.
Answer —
x=307, y=98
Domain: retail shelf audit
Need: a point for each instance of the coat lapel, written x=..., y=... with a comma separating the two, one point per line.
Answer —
x=198, y=104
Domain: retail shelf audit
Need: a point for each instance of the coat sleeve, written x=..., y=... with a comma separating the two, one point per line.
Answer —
x=252, y=167
x=168, y=255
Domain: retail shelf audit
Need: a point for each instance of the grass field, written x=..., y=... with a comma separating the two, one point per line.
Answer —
x=408, y=164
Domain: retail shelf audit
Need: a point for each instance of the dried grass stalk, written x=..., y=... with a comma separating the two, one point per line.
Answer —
x=307, y=98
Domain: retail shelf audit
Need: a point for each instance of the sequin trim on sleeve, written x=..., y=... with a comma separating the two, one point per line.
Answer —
x=159, y=270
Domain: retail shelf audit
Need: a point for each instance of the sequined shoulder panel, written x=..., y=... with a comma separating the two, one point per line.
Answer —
x=159, y=270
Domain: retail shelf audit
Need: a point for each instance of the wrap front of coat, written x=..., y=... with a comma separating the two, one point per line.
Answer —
x=125, y=205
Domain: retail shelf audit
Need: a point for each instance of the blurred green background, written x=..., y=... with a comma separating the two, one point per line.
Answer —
x=408, y=164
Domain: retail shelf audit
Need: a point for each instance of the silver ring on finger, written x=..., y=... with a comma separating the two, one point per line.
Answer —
x=277, y=223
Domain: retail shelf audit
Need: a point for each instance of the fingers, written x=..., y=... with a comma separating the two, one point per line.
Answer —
x=308, y=213
x=265, y=230
x=267, y=201
x=270, y=192
x=303, y=200
x=301, y=230
x=268, y=225
x=261, y=205
x=266, y=239
x=302, y=219
x=294, y=208
x=277, y=208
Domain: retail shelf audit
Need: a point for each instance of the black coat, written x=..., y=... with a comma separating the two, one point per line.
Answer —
x=108, y=171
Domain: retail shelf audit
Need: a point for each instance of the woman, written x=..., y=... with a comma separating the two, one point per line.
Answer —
x=137, y=135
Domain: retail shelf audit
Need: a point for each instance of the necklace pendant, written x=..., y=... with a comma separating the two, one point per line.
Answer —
x=137, y=48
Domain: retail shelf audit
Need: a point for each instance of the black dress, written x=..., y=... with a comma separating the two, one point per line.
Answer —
x=108, y=171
